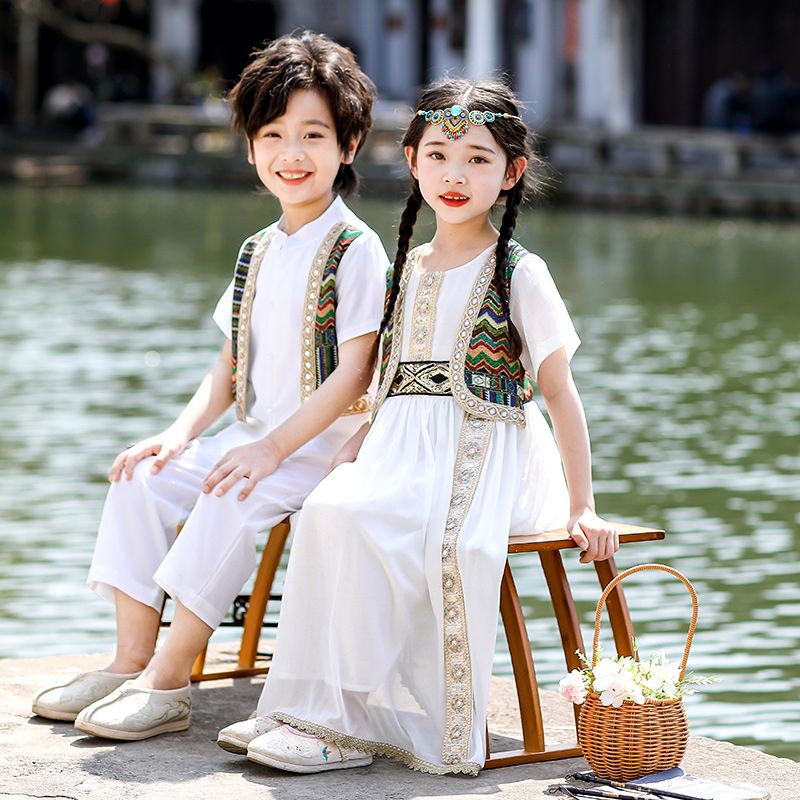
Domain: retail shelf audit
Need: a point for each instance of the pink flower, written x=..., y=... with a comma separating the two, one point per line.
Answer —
x=572, y=687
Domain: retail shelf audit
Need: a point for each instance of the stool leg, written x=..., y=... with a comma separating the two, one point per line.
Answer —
x=617, y=607
x=522, y=659
x=199, y=664
x=519, y=647
x=564, y=608
x=257, y=607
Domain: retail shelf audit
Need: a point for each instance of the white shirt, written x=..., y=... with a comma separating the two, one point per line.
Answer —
x=537, y=311
x=277, y=315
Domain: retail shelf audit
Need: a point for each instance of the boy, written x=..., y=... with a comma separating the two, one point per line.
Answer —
x=300, y=318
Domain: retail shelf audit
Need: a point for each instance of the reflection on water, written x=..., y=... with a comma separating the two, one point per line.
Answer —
x=688, y=371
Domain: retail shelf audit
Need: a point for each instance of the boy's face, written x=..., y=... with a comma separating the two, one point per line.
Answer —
x=297, y=155
x=462, y=180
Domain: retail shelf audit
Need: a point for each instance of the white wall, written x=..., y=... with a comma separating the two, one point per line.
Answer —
x=175, y=30
x=444, y=60
x=538, y=63
x=400, y=46
x=605, y=73
x=481, y=55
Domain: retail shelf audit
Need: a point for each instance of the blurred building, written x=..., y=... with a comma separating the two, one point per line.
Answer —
x=614, y=64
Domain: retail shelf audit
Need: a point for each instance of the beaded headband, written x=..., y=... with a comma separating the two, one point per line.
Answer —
x=455, y=120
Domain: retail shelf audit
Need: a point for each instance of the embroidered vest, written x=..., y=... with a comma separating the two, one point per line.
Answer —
x=319, y=347
x=487, y=380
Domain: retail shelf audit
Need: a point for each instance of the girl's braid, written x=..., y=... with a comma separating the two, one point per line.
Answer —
x=404, y=231
x=513, y=201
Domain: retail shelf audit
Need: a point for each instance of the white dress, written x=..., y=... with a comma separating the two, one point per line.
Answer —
x=371, y=652
x=205, y=568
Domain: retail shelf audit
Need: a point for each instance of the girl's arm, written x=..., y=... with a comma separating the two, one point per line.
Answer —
x=346, y=384
x=209, y=402
x=597, y=538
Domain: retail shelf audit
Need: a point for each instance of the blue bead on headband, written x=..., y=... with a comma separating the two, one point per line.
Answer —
x=455, y=120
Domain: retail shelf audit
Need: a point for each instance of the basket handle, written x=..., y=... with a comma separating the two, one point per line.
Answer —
x=641, y=567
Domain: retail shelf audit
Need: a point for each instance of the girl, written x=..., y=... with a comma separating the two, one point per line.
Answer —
x=300, y=319
x=398, y=620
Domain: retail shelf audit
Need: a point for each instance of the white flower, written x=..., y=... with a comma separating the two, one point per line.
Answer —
x=621, y=679
x=605, y=673
x=614, y=695
x=635, y=694
x=663, y=678
x=653, y=683
x=622, y=688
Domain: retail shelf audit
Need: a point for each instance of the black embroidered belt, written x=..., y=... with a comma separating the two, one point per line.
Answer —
x=421, y=377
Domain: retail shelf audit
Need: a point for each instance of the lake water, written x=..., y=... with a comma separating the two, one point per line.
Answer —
x=688, y=371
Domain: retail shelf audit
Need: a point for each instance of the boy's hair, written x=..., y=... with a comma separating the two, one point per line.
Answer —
x=306, y=60
x=514, y=138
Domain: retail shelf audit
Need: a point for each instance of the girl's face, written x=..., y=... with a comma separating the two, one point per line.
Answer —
x=297, y=155
x=461, y=180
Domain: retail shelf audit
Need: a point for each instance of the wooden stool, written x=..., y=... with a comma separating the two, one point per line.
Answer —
x=248, y=612
x=547, y=545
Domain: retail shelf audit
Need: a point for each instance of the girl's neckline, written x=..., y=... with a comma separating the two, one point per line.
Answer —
x=481, y=256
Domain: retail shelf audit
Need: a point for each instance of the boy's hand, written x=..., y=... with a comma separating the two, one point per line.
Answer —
x=597, y=538
x=251, y=461
x=163, y=445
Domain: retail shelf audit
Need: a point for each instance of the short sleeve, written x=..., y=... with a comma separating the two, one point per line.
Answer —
x=539, y=314
x=360, y=288
x=223, y=312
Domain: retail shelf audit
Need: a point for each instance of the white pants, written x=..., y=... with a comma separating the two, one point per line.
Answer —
x=206, y=566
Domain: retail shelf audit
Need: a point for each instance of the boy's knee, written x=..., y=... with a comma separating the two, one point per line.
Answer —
x=228, y=506
x=139, y=477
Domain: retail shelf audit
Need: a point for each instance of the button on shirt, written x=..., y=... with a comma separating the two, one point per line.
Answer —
x=277, y=314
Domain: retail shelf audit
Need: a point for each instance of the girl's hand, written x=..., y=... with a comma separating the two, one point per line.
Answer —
x=350, y=449
x=252, y=461
x=346, y=455
x=163, y=446
x=597, y=538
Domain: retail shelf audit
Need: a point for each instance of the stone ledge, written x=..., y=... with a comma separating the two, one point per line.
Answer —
x=48, y=759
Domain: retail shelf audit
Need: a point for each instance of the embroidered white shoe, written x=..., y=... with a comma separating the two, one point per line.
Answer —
x=236, y=737
x=131, y=713
x=64, y=701
x=290, y=750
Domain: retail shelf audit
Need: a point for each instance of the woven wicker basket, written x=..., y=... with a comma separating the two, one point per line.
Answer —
x=633, y=740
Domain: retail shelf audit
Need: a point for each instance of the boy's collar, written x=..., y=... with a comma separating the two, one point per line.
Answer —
x=316, y=227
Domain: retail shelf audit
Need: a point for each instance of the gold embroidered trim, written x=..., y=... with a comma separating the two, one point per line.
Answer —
x=376, y=748
x=243, y=335
x=473, y=443
x=465, y=398
x=423, y=317
x=361, y=406
x=308, y=375
x=422, y=377
x=397, y=332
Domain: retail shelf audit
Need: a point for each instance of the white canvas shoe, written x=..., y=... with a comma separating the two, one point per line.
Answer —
x=131, y=713
x=64, y=701
x=290, y=750
x=235, y=738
